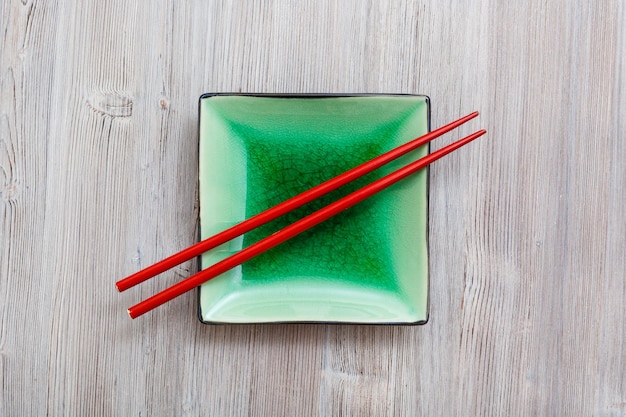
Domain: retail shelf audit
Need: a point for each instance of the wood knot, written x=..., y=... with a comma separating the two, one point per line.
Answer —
x=164, y=103
x=10, y=192
x=111, y=104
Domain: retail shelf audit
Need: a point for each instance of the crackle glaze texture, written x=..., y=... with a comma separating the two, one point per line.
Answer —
x=367, y=264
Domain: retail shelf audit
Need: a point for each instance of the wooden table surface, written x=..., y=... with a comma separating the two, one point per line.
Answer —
x=98, y=169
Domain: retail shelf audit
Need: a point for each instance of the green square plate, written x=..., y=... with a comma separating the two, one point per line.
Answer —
x=368, y=264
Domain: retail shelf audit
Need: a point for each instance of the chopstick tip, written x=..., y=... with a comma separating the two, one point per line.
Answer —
x=467, y=118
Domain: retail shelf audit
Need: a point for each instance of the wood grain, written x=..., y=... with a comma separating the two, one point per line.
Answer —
x=98, y=150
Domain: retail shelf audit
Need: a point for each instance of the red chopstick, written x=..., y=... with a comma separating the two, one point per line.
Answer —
x=284, y=207
x=294, y=229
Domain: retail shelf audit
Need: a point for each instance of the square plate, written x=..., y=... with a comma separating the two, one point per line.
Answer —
x=369, y=264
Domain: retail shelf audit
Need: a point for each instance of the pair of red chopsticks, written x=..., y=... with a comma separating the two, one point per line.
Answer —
x=295, y=228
